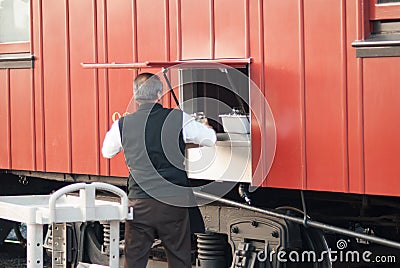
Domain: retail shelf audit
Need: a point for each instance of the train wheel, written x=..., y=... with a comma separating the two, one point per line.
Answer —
x=93, y=245
x=96, y=243
x=314, y=241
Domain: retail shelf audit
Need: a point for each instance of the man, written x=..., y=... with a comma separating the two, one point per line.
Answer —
x=153, y=140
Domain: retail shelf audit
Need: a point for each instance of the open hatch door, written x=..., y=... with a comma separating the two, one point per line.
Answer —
x=234, y=63
x=184, y=64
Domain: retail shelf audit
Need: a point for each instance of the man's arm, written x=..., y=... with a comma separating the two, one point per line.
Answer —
x=197, y=133
x=112, y=141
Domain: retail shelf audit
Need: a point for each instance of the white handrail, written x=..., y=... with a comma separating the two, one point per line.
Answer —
x=91, y=187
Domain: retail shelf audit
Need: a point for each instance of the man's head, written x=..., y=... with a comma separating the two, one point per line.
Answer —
x=147, y=87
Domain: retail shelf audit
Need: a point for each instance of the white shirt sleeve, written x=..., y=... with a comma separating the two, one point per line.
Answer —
x=112, y=141
x=197, y=133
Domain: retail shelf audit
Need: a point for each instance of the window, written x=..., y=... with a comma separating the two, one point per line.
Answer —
x=15, y=34
x=387, y=1
x=14, y=21
x=384, y=9
x=384, y=37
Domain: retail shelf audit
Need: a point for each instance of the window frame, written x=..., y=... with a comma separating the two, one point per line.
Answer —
x=18, y=54
x=384, y=11
x=15, y=47
x=374, y=43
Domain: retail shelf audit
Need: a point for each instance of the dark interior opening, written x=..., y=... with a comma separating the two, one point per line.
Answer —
x=215, y=92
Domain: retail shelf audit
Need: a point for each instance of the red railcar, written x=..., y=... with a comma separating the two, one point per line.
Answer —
x=328, y=69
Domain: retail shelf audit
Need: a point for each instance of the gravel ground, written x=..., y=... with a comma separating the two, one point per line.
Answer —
x=12, y=255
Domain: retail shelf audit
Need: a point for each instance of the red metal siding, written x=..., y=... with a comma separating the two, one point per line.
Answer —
x=5, y=131
x=37, y=49
x=196, y=32
x=22, y=120
x=230, y=28
x=381, y=125
x=102, y=79
x=119, y=45
x=320, y=93
x=284, y=90
x=84, y=100
x=174, y=25
x=325, y=95
x=151, y=36
x=257, y=76
x=152, y=33
x=56, y=86
x=354, y=99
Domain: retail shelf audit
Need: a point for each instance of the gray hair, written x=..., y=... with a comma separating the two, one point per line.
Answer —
x=146, y=87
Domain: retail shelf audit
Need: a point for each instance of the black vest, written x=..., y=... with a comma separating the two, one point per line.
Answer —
x=154, y=151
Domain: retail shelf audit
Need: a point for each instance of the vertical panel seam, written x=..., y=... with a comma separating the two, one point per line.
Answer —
x=8, y=91
x=135, y=42
x=42, y=83
x=346, y=170
x=68, y=86
x=33, y=102
x=303, y=96
x=247, y=29
x=179, y=29
x=96, y=87
x=37, y=84
x=167, y=37
x=212, y=29
x=166, y=29
x=360, y=33
x=262, y=78
x=106, y=82
x=134, y=35
x=33, y=122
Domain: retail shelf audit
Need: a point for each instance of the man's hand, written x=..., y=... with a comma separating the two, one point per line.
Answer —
x=207, y=125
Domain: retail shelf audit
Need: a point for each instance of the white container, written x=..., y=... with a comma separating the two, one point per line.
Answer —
x=235, y=123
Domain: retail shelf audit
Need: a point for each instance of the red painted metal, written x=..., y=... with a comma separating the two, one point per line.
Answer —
x=56, y=89
x=335, y=120
x=354, y=100
x=151, y=18
x=325, y=97
x=102, y=79
x=119, y=49
x=257, y=76
x=381, y=125
x=212, y=29
x=21, y=116
x=37, y=49
x=283, y=67
x=5, y=131
x=230, y=24
x=83, y=90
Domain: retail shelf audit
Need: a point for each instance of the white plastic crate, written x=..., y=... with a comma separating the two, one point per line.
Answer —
x=236, y=123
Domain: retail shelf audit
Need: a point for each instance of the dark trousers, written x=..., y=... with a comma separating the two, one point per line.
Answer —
x=171, y=224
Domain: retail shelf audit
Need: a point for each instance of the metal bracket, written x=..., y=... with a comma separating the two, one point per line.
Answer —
x=245, y=256
x=59, y=245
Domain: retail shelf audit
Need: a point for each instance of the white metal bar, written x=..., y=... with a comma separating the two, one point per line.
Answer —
x=34, y=249
x=114, y=244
